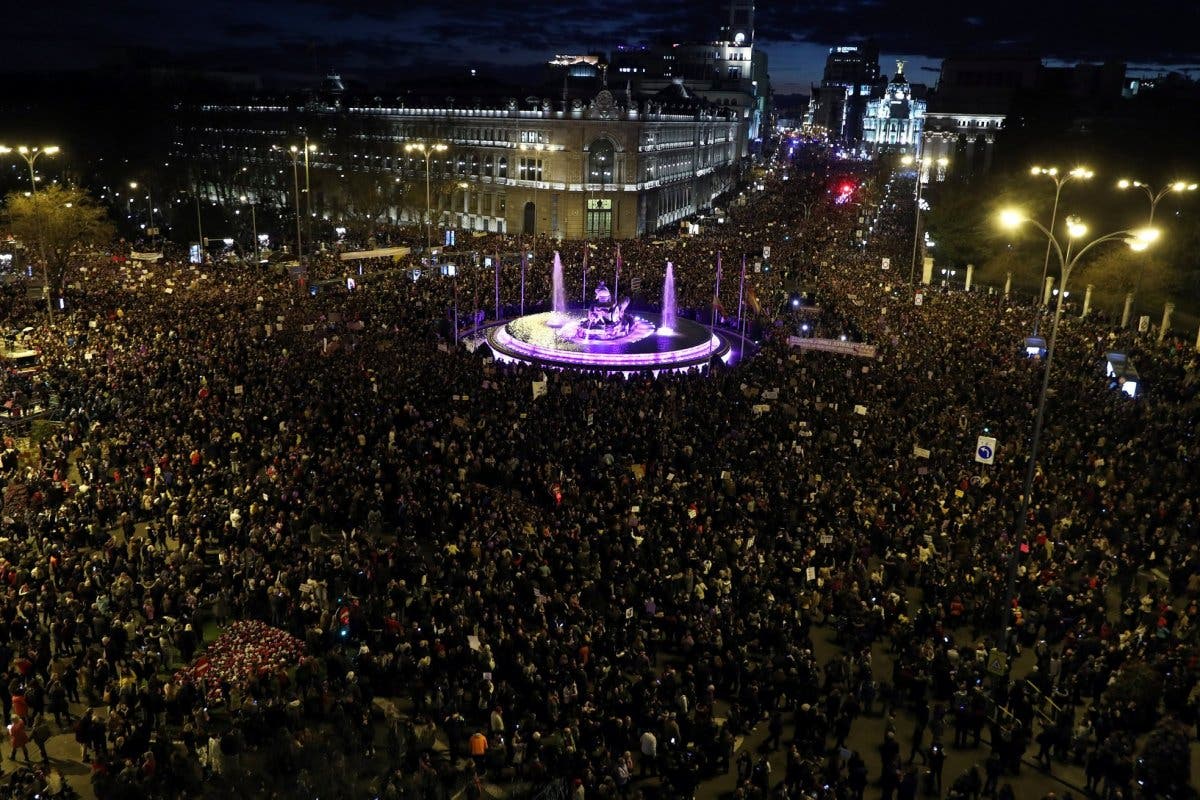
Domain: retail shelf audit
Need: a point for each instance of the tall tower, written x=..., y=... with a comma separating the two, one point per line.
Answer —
x=741, y=21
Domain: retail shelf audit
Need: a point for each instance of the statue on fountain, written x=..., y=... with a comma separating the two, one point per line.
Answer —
x=607, y=318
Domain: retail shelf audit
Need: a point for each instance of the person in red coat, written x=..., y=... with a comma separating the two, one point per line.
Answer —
x=19, y=737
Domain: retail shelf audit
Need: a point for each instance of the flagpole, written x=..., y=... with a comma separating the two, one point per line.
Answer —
x=586, y=247
x=712, y=321
x=524, y=253
x=616, y=295
x=496, y=264
x=741, y=290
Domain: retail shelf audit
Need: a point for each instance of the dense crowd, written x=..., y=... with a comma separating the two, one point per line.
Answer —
x=618, y=579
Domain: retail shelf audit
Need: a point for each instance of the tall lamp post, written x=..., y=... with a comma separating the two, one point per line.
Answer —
x=295, y=152
x=1177, y=186
x=253, y=226
x=1079, y=173
x=427, y=150
x=909, y=161
x=1137, y=240
x=133, y=185
x=31, y=155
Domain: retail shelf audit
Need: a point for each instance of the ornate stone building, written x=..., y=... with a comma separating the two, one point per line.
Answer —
x=608, y=166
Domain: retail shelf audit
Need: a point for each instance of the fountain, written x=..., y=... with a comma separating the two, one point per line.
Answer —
x=558, y=297
x=608, y=336
x=667, y=328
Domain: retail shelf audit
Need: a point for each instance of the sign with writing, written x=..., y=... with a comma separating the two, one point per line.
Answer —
x=833, y=346
x=599, y=204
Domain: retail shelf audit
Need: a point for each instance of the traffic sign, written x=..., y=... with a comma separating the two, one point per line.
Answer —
x=997, y=663
x=766, y=251
x=985, y=450
x=887, y=263
x=918, y=299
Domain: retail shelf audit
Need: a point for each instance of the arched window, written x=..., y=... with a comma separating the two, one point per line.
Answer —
x=601, y=161
x=475, y=165
x=502, y=167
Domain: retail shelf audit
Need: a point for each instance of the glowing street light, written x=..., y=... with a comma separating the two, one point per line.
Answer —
x=1179, y=187
x=427, y=149
x=31, y=155
x=909, y=161
x=1138, y=240
x=1077, y=174
x=295, y=152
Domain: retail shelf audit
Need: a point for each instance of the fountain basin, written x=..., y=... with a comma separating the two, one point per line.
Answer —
x=532, y=339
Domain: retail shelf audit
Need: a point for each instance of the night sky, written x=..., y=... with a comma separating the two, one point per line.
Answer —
x=369, y=38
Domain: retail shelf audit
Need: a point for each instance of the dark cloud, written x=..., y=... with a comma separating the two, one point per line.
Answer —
x=1155, y=30
x=381, y=34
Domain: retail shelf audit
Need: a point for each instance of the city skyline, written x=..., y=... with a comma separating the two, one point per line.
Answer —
x=368, y=39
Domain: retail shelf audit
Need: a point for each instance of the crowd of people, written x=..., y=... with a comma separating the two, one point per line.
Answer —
x=606, y=589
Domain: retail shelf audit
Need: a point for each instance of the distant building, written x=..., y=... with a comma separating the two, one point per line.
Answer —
x=974, y=97
x=602, y=166
x=729, y=72
x=977, y=96
x=894, y=121
x=850, y=79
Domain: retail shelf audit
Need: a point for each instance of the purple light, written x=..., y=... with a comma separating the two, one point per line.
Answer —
x=542, y=344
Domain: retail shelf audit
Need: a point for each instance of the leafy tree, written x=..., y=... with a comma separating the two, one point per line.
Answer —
x=1164, y=765
x=59, y=225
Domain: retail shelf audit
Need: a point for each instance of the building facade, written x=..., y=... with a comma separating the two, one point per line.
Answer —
x=894, y=122
x=839, y=104
x=605, y=167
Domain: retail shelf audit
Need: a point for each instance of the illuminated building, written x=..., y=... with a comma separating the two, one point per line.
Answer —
x=605, y=166
x=894, y=122
x=729, y=72
x=974, y=97
x=839, y=104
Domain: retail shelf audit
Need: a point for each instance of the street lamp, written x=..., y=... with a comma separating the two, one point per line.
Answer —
x=1138, y=240
x=31, y=154
x=133, y=185
x=1176, y=186
x=427, y=150
x=1060, y=180
x=909, y=161
x=253, y=226
x=295, y=152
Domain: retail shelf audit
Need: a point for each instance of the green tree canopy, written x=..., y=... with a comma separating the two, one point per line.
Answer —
x=58, y=225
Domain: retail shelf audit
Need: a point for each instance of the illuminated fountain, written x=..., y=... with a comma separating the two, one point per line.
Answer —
x=667, y=327
x=607, y=336
x=558, y=294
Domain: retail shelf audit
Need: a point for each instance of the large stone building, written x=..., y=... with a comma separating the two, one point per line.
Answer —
x=609, y=165
x=894, y=121
x=730, y=72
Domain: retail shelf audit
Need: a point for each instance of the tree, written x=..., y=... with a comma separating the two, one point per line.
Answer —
x=1163, y=767
x=59, y=225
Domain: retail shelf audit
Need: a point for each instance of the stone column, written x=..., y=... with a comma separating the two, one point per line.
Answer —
x=1087, y=300
x=1048, y=290
x=1007, y=283
x=1128, y=310
x=1168, y=312
x=970, y=277
x=927, y=271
